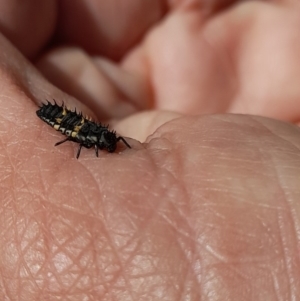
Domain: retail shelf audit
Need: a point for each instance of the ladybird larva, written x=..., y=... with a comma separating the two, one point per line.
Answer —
x=79, y=129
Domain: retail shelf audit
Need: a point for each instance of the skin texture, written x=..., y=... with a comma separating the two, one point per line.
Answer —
x=203, y=207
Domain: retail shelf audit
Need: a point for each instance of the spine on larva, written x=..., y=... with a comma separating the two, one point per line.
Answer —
x=50, y=112
x=59, y=117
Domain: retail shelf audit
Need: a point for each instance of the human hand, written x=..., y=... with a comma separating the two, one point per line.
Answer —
x=207, y=208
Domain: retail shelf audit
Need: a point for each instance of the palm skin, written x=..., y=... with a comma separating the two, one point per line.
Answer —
x=206, y=207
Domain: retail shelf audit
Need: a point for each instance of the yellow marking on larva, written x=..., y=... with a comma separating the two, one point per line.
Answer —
x=58, y=120
x=77, y=128
x=56, y=127
x=74, y=134
x=64, y=112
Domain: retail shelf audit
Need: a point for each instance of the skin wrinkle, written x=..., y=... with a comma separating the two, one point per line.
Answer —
x=94, y=259
x=174, y=175
x=45, y=264
x=45, y=245
x=282, y=225
x=14, y=196
x=98, y=188
x=43, y=185
x=121, y=264
x=276, y=288
x=21, y=264
x=24, y=265
x=182, y=234
x=63, y=248
x=86, y=266
x=178, y=229
x=136, y=235
x=281, y=181
x=292, y=286
x=139, y=243
x=90, y=188
x=139, y=276
x=86, y=199
x=158, y=210
x=129, y=241
x=83, y=269
x=3, y=292
x=47, y=237
x=187, y=255
x=277, y=285
x=224, y=260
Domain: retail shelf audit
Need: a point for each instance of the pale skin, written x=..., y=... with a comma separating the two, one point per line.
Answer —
x=203, y=207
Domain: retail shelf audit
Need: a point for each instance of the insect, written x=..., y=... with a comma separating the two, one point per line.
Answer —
x=79, y=129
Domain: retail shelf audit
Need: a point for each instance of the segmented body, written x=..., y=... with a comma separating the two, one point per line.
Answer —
x=78, y=128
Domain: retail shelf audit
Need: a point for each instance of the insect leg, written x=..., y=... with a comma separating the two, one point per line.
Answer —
x=96, y=150
x=60, y=142
x=79, y=150
x=124, y=141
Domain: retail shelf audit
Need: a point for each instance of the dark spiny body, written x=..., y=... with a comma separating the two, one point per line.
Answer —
x=79, y=129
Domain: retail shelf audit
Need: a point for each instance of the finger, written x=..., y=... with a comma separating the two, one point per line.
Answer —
x=196, y=65
x=148, y=122
x=215, y=6
x=223, y=63
x=262, y=76
x=28, y=26
x=104, y=86
x=108, y=28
